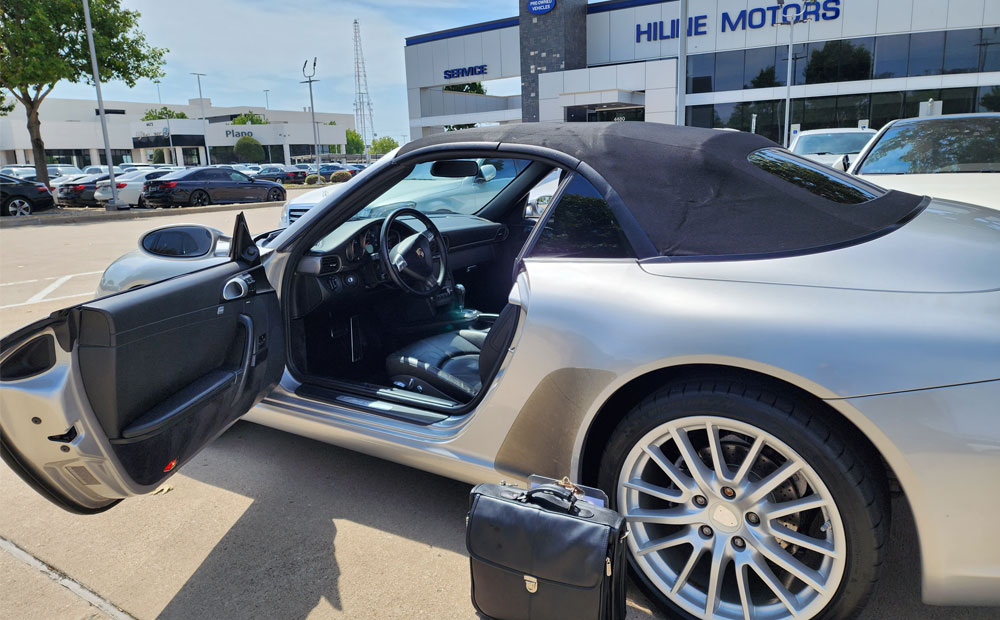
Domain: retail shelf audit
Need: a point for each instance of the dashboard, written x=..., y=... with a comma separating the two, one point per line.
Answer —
x=346, y=261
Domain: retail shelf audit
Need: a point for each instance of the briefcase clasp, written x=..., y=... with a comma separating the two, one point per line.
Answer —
x=530, y=584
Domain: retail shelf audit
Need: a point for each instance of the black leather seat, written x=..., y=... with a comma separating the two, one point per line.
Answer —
x=453, y=365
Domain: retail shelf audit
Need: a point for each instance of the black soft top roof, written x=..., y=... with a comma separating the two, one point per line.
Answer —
x=694, y=192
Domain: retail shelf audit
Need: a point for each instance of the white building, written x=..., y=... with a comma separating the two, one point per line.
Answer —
x=71, y=130
x=854, y=62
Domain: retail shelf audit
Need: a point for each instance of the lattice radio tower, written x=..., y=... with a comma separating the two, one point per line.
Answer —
x=362, y=102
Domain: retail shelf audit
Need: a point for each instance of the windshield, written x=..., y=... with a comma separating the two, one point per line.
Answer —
x=946, y=145
x=428, y=193
x=831, y=143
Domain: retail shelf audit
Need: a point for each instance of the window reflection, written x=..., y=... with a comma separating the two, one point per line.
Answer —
x=582, y=226
x=813, y=177
x=966, y=144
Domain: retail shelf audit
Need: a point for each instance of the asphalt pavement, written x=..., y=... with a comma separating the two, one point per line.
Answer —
x=262, y=524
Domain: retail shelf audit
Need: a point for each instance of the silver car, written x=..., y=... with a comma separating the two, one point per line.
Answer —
x=745, y=349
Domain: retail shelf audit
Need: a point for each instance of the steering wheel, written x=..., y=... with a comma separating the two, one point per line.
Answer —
x=412, y=257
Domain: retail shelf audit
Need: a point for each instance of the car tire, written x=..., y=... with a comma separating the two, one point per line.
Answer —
x=275, y=195
x=17, y=206
x=142, y=203
x=843, y=533
x=199, y=198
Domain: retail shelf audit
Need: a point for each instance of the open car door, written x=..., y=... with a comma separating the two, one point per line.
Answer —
x=107, y=399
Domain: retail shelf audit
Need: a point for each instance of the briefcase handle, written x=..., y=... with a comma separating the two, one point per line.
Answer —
x=552, y=489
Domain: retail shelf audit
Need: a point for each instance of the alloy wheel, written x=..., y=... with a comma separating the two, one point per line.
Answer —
x=19, y=207
x=274, y=195
x=730, y=522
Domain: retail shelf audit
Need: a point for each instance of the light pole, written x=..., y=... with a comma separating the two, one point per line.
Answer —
x=204, y=121
x=799, y=19
x=312, y=107
x=266, y=103
x=113, y=205
x=681, y=118
x=170, y=133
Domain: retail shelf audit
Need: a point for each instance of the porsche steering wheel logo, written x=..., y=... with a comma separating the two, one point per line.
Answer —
x=420, y=252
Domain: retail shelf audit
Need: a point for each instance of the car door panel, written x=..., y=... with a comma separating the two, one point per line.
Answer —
x=107, y=399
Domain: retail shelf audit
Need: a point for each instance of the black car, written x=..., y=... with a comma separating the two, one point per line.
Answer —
x=80, y=193
x=22, y=197
x=203, y=186
x=281, y=174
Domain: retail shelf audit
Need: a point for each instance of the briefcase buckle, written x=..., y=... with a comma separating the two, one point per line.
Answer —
x=530, y=584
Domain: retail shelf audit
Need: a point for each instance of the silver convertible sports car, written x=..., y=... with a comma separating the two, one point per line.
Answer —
x=745, y=349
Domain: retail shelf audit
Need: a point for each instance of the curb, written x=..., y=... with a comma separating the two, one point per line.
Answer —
x=87, y=217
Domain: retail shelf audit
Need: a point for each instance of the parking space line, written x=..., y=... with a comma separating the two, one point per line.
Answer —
x=21, y=282
x=41, y=301
x=77, y=588
x=40, y=295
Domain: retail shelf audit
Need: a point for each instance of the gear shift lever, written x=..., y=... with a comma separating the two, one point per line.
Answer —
x=460, y=296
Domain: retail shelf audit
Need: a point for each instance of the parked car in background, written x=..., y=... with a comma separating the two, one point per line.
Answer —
x=955, y=156
x=281, y=173
x=80, y=193
x=56, y=183
x=129, y=186
x=326, y=170
x=59, y=170
x=19, y=197
x=203, y=186
x=99, y=169
x=833, y=147
x=306, y=167
x=11, y=170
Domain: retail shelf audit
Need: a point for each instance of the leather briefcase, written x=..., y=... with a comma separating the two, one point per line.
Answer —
x=543, y=555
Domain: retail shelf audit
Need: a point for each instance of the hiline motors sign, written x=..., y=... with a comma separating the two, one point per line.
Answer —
x=464, y=72
x=747, y=18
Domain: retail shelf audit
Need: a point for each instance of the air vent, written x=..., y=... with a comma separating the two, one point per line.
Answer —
x=329, y=264
x=502, y=233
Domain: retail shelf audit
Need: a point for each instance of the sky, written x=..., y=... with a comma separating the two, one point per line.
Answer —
x=246, y=46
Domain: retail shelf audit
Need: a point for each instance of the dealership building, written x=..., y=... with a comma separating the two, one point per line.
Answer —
x=854, y=63
x=71, y=130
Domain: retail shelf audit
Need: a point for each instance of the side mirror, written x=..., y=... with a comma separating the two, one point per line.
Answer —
x=487, y=172
x=536, y=207
x=845, y=162
x=184, y=241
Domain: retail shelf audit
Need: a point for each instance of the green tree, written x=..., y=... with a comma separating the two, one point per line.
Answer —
x=383, y=144
x=164, y=112
x=355, y=145
x=990, y=101
x=249, y=150
x=249, y=118
x=332, y=123
x=43, y=42
x=475, y=88
x=158, y=157
x=5, y=107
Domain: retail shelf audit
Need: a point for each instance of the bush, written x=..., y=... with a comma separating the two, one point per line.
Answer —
x=158, y=156
x=340, y=176
x=249, y=150
x=311, y=179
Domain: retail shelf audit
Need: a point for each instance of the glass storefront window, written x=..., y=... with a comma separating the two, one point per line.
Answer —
x=989, y=45
x=958, y=100
x=822, y=62
x=699, y=116
x=988, y=99
x=891, y=54
x=961, y=51
x=885, y=107
x=617, y=115
x=759, y=69
x=926, y=53
x=856, y=59
x=851, y=109
x=913, y=99
x=799, y=58
x=728, y=115
x=820, y=113
x=729, y=70
x=699, y=73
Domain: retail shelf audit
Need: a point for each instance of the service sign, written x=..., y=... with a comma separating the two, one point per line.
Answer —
x=541, y=7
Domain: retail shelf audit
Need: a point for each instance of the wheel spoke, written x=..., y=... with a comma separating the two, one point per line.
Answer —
x=743, y=585
x=809, y=502
x=806, y=542
x=681, y=537
x=797, y=569
x=718, y=459
x=760, y=490
x=720, y=560
x=748, y=462
x=670, y=516
x=683, y=482
x=766, y=575
x=671, y=495
x=699, y=471
x=685, y=573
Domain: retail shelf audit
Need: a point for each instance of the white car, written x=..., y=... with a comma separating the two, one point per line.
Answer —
x=830, y=146
x=129, y=185
x=955, y=156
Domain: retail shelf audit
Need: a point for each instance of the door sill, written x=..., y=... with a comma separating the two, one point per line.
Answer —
x=373, y=404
